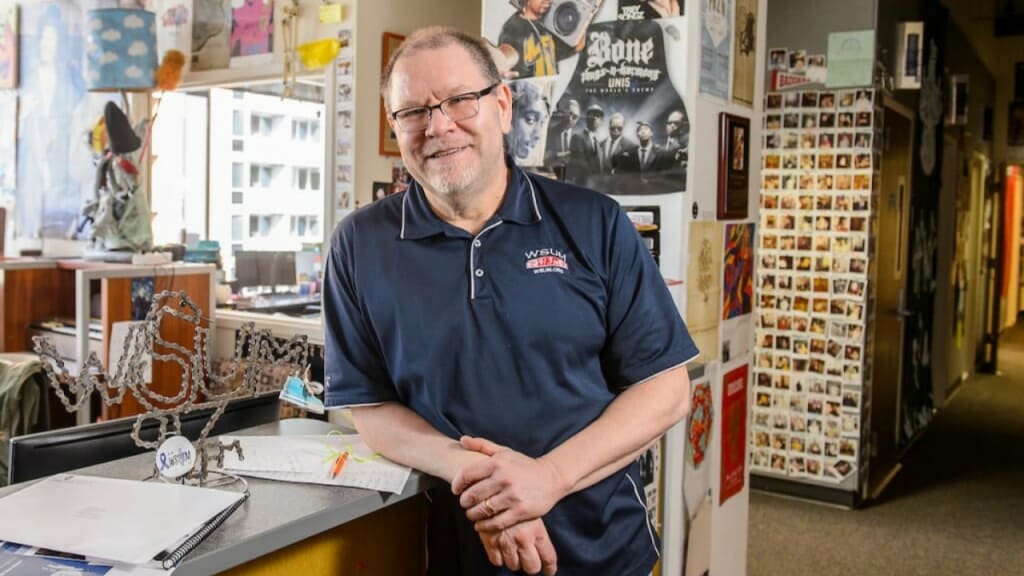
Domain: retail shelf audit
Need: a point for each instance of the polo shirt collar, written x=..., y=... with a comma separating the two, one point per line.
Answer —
x=519, y=206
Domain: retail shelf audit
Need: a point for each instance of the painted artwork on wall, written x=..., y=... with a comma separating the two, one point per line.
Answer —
x=9, y=146
x=252, y=27
x=532, y=101
x=744, y=52
x=699, y=424
x=211, y=34
x=55, y=167
x=738, y=286
x=9, y=47
x=715, y=47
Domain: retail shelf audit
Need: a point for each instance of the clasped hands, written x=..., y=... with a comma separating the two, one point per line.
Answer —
x=505, y=497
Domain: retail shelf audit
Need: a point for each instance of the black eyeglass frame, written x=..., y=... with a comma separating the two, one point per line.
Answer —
x=478, y=94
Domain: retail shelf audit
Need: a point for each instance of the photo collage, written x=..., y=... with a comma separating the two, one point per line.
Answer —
x=344, y=153
x=813, y=283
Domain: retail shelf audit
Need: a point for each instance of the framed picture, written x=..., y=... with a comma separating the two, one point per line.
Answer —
x=388, y=141
x=733, y=166
x=958, y=105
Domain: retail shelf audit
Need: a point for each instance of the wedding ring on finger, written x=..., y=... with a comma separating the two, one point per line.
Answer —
x=490, y=509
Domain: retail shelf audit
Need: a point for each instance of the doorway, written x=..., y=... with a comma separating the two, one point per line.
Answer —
x=893, y=215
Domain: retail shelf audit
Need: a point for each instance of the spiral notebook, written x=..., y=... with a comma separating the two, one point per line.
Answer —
x=77, y=514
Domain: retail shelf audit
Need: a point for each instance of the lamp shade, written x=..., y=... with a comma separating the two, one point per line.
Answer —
x=122, y=49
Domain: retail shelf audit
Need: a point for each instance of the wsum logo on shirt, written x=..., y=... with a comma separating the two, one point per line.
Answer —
x=546, y=260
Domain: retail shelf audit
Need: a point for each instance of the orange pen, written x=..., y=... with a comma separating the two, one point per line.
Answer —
x=339, y=463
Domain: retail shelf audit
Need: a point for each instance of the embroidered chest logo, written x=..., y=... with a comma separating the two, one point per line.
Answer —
x=546, y=260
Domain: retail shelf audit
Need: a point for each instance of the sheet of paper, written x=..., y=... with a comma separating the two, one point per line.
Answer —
x=114, y=520
x=310, y=459
x=851, y=59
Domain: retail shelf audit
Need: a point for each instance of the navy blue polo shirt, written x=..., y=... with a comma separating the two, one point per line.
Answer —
x=522, y=334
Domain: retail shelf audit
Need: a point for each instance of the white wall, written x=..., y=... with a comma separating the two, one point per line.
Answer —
x=372, y=20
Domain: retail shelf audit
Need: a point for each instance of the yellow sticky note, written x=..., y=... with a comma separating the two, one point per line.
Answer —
x=331, y=13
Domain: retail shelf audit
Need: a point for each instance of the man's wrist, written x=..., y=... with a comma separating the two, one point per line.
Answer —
x=564, y=481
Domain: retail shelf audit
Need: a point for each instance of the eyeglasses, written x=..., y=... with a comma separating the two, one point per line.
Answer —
x=457, y=108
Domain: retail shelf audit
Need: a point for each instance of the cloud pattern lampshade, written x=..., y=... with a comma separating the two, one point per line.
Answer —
x=122, y=50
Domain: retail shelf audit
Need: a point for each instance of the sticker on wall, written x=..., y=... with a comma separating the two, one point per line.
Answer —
x=699, y=424
x=716, y=47
x=734, y=433
x=649, y=10
x=704, y=287
x=745, y=52
x=532, y=99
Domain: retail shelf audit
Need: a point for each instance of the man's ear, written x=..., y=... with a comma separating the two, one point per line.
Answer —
x=504, y=97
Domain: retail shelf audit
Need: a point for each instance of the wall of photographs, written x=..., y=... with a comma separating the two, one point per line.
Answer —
x=814, y=286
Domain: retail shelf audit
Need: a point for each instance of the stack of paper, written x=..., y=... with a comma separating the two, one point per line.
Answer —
x=315, y=460
x=108, y=520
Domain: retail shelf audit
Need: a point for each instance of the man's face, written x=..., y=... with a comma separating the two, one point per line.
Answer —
x=594, y=120
x=674, y=123
x=449, y=158
x=527, y=124
x=643, y=134
x=573, y=114
x=537, y=8
x=615, y=127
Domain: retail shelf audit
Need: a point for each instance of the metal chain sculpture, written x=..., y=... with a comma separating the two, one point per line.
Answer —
x=202, y=386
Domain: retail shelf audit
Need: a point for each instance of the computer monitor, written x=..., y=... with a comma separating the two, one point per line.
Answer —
x=36, y=455
x=265, y=268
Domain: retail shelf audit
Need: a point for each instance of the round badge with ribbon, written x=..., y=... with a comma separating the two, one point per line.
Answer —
x=175, y=457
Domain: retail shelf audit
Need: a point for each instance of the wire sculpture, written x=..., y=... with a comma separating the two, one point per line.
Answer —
x=202, y=386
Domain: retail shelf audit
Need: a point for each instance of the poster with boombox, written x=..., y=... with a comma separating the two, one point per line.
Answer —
x=596, y=90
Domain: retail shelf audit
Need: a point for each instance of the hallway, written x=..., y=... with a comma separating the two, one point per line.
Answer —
x=956, y=508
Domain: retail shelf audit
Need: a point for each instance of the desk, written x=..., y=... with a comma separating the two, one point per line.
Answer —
x=304, y=529
x=34, y=289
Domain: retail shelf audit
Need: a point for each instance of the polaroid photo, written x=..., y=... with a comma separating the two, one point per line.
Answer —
x=760, y=459
x=800, y=365
x=826, y=161
x=785, y=304
x=780, y=441
x=790, y=161
x=771, y=181
x=840, y=285
x=762, y=439
x=864, y=100
x=840, y=470
x=808, y=141
x=803, y=264
x=841, y=265
x=852, y=353
x=862, y=182
x=827, y=120
x=764, y=399
x=816, y=366
x=768, y=319
x=831, y=427
x=856, y=288
x=809, y=120
x=806, y=182
x=772, y=121
x=835, y=349
x=815, y=466
x=764, y=361
x=823, y=202
x=851, y=423
x=814, y=445
x=779, y=421
x=781, y=381
x=770, y=221
x=762, y=419
x=807, y=161
x=851, y=372
x=782, y=362
x=809, y=100
x=820, y=284
x=842, y=202
x=773, y=141
x=815, y=406
x=798, y=61
x=858, y=265
x=806, y=202
x=863, y=120
x=801, y=346
x=863, y=140
x=831, y=449
x=823, y=263
x=779, y=463
x=844, y=120
x=846, y=99
x=848, y=447
x=815, y=427
x=844, y=161
x=773, y=101
x=791, y=120
x=767, y=302
x=844, y=140
x=786, y=221
x=825, y=141
x=844, y=181
x=803, y=283
x=791, y=99
x=764, y=380
x=862, y=161
x=837, y=330
x=786, y=242
x=827, y=100
x=801, y=304
x=769, y=241
x=826, y=182
x=772, y=162
x=796, y=444
x=788, y=202
x=790, y=141
x=798, y=423
x=778, y=59
x=785, y=262
x=805, y=223
x=785, y=280
x=851, y=399
x=818, y=326
x=833, y=389
x=837, y=308
x=789, y=182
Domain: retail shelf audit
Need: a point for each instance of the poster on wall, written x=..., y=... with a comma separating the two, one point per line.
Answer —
x=715, y=47
x=54, y=112
x=211, y=34
x=734, y=433
x=9, y=145
x=252, y=27
x=8, y=47
x=704, y=287
x=744, y=52
x=649, y=9
x=738, y=287
x=620, y=126
x=535, y=37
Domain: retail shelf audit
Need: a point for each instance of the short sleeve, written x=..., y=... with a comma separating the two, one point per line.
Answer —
x=354, y=370
x=646, y=334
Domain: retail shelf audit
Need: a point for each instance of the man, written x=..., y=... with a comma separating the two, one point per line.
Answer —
x=593, y=143
x=530, y=111
x=539, y=52
x=616, y=144
x=677, y=143
x=532, y=379
x=566, y=156
x=646, y=156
